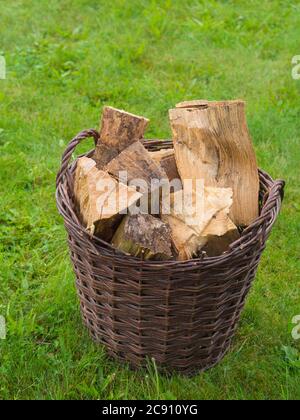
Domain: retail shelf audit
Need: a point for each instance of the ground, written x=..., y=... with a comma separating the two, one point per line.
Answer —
x=64, y=61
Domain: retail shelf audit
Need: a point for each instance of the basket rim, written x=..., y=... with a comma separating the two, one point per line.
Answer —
x=273, y=192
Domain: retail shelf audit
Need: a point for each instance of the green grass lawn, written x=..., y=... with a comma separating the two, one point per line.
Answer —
x=65, y=60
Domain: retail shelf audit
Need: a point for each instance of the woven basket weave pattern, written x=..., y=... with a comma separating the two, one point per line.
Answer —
x=183, y=314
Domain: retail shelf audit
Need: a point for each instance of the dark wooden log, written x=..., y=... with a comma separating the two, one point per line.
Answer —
x=137, y=163
x=119, y=129
x=166, y=159
x=144, y=236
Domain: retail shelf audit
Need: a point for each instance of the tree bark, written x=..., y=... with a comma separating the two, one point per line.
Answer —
x=212, y=142
x=137, y=163
x=119, y=129
x=144, y=236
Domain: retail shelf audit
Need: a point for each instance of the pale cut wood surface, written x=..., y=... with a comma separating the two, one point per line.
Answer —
x=144, y=236
x=212, y=142
x=159, y=155
x=93, y=198
x=192, y=231
x=118, y=130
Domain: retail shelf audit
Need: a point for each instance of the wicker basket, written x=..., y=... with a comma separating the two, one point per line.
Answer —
x=182, y=314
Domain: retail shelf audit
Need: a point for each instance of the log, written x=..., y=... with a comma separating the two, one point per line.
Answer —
x=137, y=163
x=192, y=231
x=168, y=164
x=219, y=234
x=104, y=154
x=161, y=154
x=144, y=236
x=119, y=129
x=166, y=159
x=216, y=244
x=212, y=142
x=101, y=200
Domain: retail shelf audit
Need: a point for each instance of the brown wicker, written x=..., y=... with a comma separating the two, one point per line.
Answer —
x=182, y=314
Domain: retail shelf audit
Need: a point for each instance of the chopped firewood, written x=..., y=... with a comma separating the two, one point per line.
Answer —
x=119, y=129
x=101, y=199
x=212, y=142
x=161, y=154
x=137, y=163
x=192, y=231
x=166, y=159
x=144, y=236
x=216, y=245
x=170, y=167
x=219, y=234
x=104, y=155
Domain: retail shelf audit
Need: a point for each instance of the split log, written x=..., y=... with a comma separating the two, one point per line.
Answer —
x=166, y=159
x=212, y=142
x=168, y=164
x=104, y=154
x=102, y=201
x=144, y=236
x=216, y=244
x=219, y=234
x=119, y=129
x=138, y=165
x=192, y=231
x=161, y=154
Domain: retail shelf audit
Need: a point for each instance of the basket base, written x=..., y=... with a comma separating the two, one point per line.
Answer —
x=148, y=361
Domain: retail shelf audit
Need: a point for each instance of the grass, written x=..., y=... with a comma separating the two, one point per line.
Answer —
x=65, y=60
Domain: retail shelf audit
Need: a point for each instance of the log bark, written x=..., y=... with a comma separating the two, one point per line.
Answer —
x=144, y=236
x=212, y=142
x=100, y=199
x=119, y=129
x=192, y=231
x=137, y=163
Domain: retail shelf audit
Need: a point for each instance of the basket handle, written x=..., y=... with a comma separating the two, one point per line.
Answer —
x=280, y=185
x=70, y=150
x=276, y=191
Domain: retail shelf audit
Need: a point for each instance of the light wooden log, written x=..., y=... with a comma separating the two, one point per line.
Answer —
x=101, y=199
x=212, y=142
x=119, y=129
x=144, y=236
x=192, y=231
x=159, y=155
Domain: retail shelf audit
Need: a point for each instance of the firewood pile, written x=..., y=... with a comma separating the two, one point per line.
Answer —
x=177, y=203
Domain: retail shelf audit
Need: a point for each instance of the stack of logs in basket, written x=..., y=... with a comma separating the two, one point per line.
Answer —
x=175, y=203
